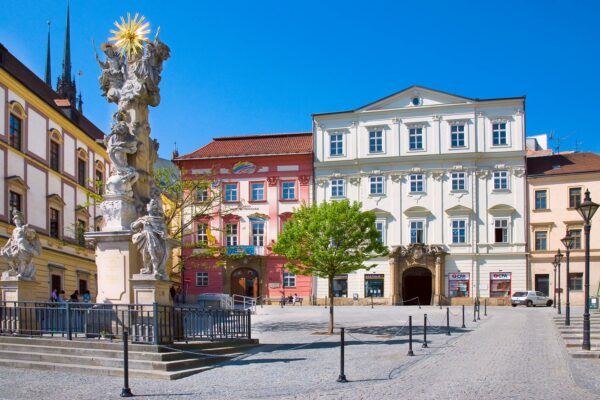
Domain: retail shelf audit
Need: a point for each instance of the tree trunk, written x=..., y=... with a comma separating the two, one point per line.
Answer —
x=330, y=328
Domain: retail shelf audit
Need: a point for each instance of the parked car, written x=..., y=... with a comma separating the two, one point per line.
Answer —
x=530, y=298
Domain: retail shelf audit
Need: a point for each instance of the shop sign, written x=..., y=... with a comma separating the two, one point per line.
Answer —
x=374, y=276
x=500, y=276
x=458, y=276
x=344, y=276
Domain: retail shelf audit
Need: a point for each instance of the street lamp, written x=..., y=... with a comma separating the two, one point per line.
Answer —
x=568, y=241
x=554, y=283
x=587, y=209
x=557, y=259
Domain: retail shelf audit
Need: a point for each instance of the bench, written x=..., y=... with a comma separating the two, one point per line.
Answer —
x=288, y=301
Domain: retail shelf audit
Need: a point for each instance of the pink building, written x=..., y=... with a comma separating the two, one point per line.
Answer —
x=262, y=178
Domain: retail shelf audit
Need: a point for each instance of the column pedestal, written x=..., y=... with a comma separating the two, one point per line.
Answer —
x=16, y=289
x=148, y=290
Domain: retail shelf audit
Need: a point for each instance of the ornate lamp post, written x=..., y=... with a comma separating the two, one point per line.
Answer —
x=568, y=241
x=555, y=286
x=557, y=259
x=587, y=209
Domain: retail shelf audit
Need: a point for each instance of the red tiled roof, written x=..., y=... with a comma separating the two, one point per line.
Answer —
x=255, y=145
x=563, y=163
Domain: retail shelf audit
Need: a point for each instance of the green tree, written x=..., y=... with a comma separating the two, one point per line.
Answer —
x=329, y=239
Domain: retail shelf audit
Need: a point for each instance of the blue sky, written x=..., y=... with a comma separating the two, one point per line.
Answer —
x=243, y=67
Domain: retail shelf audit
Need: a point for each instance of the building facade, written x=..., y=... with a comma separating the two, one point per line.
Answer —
x=50, y=163
x=445, y=175
x=260, y=179
x=556, y=186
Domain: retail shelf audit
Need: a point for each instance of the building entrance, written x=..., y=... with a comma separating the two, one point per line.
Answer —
x=417, y=286
x=542, y=283
x=244, y=282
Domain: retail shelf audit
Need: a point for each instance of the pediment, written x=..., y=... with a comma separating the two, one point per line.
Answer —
x=380, y=212
x=501, y=209
x=417, y=211
x=16, y=181
x=258, y=216
x=459, y=210
x=404, y=99
x=55, y=199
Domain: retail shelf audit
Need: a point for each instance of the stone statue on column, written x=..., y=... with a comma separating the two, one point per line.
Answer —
x=151, y=239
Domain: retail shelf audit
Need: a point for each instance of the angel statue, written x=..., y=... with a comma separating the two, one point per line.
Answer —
x=113, y=71
x=119, y=144
x=150, y=237
x=22, y=246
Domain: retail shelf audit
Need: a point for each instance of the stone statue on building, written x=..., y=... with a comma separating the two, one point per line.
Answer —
x=20, y=249
x=150, y=237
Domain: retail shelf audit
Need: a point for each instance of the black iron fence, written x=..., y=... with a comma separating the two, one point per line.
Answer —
x=145, y=323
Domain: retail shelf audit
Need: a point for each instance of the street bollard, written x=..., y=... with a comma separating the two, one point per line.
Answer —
x=474, y=311
x=325, y=301
x=447, y=321
x=478, y=309
x=126, y=391
x=425, y=332
x=342, y=377
x=463, y=317
x=371, y=301
x=410, y=350
x=485, y=307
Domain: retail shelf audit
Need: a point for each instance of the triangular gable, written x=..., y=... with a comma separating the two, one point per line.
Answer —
x=404, y=98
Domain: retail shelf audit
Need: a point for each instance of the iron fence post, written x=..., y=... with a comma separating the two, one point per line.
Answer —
x=425, y=332
x=249, y=327
x=68, y=321
x=155, y=323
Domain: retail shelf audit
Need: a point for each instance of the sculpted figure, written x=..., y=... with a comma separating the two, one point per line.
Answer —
x=22, y=246
x=150, y=237
x=119, y=144
x=113, y=71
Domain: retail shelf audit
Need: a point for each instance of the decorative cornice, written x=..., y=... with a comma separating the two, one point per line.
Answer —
x=272, y=180
x=304, y=180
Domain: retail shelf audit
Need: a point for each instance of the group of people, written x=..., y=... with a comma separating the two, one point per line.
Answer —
x=58, y=296
x=176, y=295
x=290, y=299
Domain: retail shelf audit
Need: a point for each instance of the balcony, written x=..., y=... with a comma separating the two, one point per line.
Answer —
x=247, y=250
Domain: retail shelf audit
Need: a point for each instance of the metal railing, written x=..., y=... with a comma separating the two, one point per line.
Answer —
x=244, y=302
x=146, y=323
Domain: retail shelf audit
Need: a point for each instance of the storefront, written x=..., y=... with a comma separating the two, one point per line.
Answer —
x=340, y=285
x=458, y=284
x=374, y=285
x=500, y=284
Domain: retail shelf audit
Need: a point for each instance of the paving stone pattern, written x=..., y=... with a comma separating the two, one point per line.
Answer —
x=511, y=354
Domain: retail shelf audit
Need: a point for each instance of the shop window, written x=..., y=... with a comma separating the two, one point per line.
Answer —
x=340, y=286
x=500, y=284
x=201, y=278
x=458, y=284
x=576, y=281
x=374, y=285
x=289, y=280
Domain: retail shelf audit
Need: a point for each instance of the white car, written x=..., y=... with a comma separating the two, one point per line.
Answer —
x=530, y=298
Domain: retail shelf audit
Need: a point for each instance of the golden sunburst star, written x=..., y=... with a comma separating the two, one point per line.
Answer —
x=130, y=34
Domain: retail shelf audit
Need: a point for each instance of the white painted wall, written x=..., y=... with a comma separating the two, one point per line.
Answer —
x=36, y=134
x=69, y=155
x=36, y=197
x=69, y=214
x=16, y=165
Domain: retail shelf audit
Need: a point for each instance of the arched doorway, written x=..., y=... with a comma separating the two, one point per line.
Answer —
x=417, y=283
x=244, y=282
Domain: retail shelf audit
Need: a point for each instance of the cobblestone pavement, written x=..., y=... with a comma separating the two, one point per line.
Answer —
x=511, y=354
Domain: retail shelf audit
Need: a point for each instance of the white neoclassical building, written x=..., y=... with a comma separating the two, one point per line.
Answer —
x=445, y=175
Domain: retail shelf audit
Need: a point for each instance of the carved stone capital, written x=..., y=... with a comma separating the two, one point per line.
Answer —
x=304, y=180
x=272, y=180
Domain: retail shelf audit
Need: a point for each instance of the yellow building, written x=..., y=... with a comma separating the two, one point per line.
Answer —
x=50, y=161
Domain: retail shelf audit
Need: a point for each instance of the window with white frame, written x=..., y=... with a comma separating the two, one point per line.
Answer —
x=417, y=183
x=499, y=134
x=459, y=231
x=257, y=191
x=258, y=233
x=459, y=181
x=376, y=185
x=380, y=226
x=415, y=138
x=202, y=194
x=231, y=234
x=202, y=233
x=288, y=190
x=376, y=141
x=541, y=240
x=501, y=180
x=336, y=144
x=576, y=233
x=337, y=188
x=289, y=280
x=457, y=135
x=501, y=230
x=417, y=231
x=541, y=199
x=231, y=192
x=201, y=278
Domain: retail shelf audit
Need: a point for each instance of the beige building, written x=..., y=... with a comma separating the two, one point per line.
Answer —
x=556, y=185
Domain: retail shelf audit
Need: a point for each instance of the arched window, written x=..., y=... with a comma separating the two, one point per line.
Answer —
x=99, y=178
x=16, y=123
x=82, y=158
x=55, y=142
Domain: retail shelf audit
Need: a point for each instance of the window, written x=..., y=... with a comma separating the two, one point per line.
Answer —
x=231, y=235
x=458, y=181
x=501, y=230
x=336, y=144
x=81, y=228
x=376, y=185
x=99, y=184
x=541, y=200
x=458, y=284
x=16, y=132
x=415, y=138
x=54, y=155
x=541, y=240
x=501, y=180
x=201, y=278
x=14, y=203
x=258, y=234
x=231, y=192
x=500, y=284
x=576, y=281
x=416, y=183
x=81, y=171
x=576, y=233
x=499, y=133
x=457, y=136
x=83, y=286
x=380, y=226
x=374, y=285
x=337, y=188
x=202, y=234
x=574, y=197
x=289, y=280
x=288, y=190
x=459, y=231
x=202, y=194
x=376, y=141
x=54, y=223
x=417, y=231
x=257, y=191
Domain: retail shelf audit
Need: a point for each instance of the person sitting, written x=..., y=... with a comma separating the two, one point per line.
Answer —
x=61, y=296
x=74, y=296
x=295, y=299
x=54, y=296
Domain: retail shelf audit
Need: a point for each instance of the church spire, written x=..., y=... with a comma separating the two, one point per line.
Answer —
x=66, y=83
x=48, y=77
